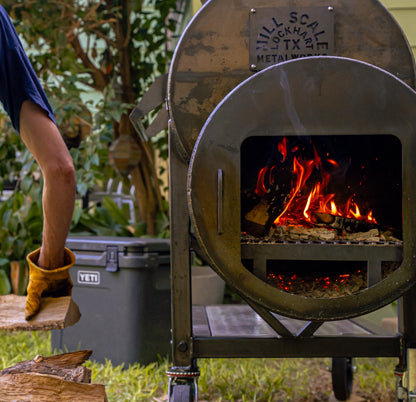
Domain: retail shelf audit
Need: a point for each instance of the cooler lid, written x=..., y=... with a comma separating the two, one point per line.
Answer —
x=125, y=245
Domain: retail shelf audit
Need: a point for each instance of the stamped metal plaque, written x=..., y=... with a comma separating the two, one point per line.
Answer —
x=281, y=34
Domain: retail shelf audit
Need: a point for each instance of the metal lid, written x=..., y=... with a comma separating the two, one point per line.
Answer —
x=124, y=244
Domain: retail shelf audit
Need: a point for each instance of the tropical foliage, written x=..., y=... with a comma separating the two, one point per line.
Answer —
x=114, y=49
x=95, y=58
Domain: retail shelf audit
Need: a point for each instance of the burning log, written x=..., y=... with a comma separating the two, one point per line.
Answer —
x=273, y=197
x=302, y=233
x=258, y=220
x=296, y=233
x=326, y=227
x=282, y=233
x=341, y=222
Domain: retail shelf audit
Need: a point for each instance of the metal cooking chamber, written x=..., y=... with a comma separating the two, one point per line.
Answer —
x=251, y=84
x=306, y=100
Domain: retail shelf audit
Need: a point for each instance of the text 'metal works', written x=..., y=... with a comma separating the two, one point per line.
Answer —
x=281, y=34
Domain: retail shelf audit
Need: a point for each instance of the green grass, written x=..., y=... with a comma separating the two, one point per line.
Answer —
x=222, y=380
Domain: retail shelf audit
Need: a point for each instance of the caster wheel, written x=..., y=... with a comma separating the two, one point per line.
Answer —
x=401, y=391
x=182, y=393
x=183, y=384
x=342, y=377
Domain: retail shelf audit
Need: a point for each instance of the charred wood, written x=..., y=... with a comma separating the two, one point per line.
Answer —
x=341, y=223
x=258, y=220
x=274, y=192
x=282, y=233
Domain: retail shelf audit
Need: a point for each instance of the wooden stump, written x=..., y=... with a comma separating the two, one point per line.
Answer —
x=44, y=379
x=55, y=313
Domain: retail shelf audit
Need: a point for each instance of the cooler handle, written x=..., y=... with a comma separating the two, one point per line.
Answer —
x=111, y=264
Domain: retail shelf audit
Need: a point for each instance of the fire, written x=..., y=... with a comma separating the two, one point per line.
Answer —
x=309, y=285
x=307, y=173
x=261, y=187
x=282, y=147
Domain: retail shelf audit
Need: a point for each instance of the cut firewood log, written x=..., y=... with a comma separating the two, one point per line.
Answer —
x=55, y=313
x=67, y=365
x=342, y=223
x=46, y=388
x=61, y=377
x=256, y=220
x=275, y=187
x=68, y=360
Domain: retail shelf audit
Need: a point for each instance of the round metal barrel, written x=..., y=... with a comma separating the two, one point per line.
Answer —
x=228, y=41
x=314, y=96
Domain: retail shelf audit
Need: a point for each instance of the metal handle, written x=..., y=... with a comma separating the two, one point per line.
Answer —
x=220, y=191
x=154, y=97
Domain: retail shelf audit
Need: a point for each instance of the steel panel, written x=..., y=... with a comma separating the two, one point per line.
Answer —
x=212, y=56
x=310, y=96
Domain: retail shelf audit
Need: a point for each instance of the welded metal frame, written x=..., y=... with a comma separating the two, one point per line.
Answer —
x=273, y=101
x=200, y=76
x=188, y=347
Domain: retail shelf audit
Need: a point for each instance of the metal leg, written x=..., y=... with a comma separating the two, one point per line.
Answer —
x=405, y=371
x=401, y=391
x=180, y=262
x=407, y=323
x=406, y=380
x=183, y=375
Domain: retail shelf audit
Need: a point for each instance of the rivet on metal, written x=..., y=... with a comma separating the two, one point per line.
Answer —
x=253, y=11
x=253, y=67
x=330, y=8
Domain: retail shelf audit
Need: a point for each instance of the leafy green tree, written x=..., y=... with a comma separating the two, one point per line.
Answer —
x=115, y=48
x=20, y=207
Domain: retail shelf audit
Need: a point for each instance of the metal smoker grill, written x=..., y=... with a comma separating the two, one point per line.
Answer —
x=308, y=69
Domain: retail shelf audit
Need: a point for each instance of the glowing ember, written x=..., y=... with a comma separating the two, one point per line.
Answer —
x=326, y=286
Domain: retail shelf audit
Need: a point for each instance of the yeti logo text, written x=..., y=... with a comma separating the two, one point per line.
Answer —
x=89, y=277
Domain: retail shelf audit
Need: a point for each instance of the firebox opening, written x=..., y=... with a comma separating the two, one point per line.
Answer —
x=327, y=187
x=324, y=200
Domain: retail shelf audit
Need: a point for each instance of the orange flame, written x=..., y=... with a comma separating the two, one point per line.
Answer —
x=300, y=205
x=282, y=147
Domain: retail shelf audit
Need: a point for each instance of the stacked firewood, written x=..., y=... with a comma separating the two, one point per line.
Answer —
x=60, y=378
x=325, y=227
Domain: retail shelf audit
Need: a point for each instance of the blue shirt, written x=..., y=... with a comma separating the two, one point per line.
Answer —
x=18, y=81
